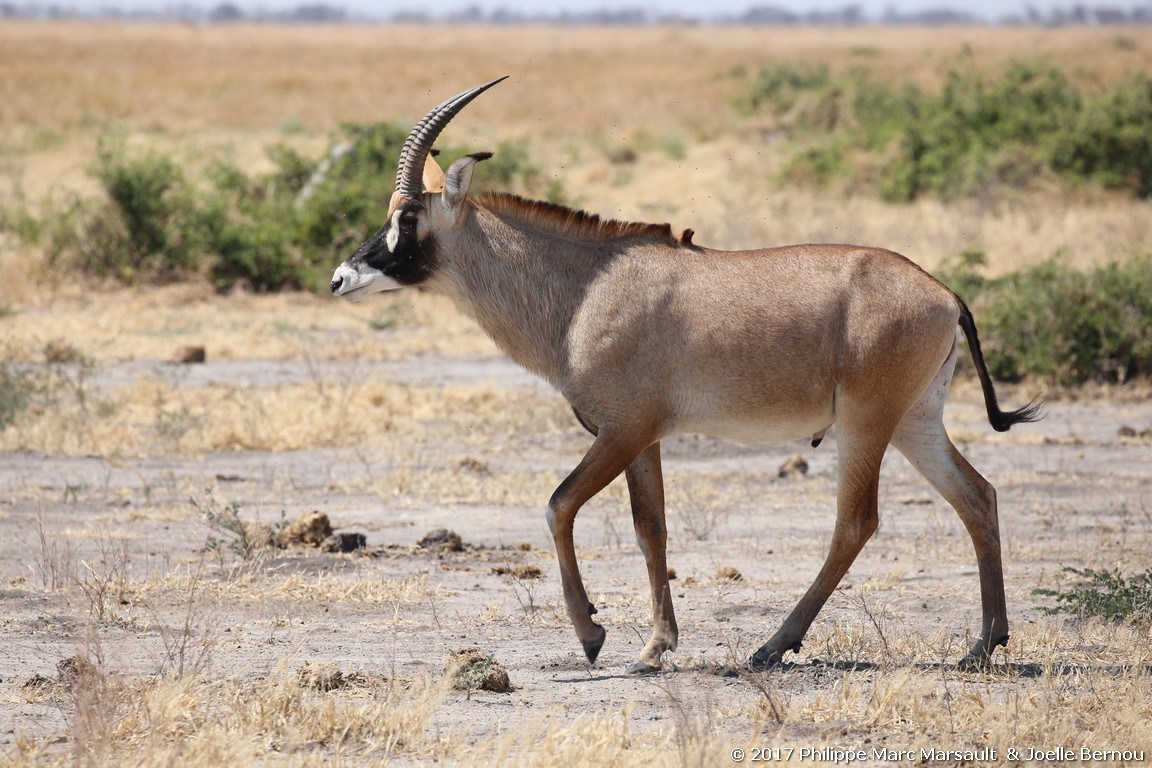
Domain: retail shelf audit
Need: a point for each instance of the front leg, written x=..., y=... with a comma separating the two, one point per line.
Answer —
x=609, y=455
x=646, y=492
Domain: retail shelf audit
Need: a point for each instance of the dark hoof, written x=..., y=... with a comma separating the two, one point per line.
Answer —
x=980, y=657
x=639, y=667
x=975, y=663
x=766, y=659
x=592, y=647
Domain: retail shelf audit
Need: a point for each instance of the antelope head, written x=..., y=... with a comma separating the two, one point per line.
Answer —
x=403, y=252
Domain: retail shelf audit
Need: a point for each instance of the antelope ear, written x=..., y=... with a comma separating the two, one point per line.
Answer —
x=394, y=204
x=433, y=176
x=459, y=178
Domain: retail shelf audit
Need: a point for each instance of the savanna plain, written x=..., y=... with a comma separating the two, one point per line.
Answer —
x=147, y=620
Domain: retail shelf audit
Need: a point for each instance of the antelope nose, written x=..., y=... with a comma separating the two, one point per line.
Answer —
x=336, y=283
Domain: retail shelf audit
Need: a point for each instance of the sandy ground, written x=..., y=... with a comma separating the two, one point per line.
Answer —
x=107, y=558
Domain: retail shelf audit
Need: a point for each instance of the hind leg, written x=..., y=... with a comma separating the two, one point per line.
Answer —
x=857, y=517
x=922, y=439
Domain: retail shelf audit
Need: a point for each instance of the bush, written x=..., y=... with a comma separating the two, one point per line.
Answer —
x=250, y=232
x=1059, y=323
x=1110, y=142
x=777, y=88
x=58, y=373
x=1108, y=594
x=978, y=132
x=283, y=229
x=18, y=386
x=144, y=224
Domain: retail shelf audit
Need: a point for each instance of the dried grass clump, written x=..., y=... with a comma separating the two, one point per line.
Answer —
x=303, y=719
x=163, y=418
x=607, y=738
x=321, y=676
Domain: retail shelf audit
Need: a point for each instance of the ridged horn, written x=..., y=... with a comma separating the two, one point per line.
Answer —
x=410, y=168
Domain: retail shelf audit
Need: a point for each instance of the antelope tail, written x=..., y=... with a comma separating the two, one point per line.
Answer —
x=1001, y=421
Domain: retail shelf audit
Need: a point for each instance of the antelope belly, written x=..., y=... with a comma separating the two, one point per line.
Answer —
x=759, y=430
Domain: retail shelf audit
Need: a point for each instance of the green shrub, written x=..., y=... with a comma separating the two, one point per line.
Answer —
x=148, y=193
x=249, y=232
x=283, y=229
x=144, y=225
x=1058, y=323
x=978, y=132
x=777, y=87
x=18, y=386
x=1108, y=594
x=1111, y=140
x=227, y=531
x=58, y=374
x=17, y=219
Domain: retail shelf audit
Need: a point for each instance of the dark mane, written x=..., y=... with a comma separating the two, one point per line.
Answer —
x=570, y=223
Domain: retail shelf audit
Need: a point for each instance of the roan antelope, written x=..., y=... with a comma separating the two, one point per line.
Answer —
x=647, y=336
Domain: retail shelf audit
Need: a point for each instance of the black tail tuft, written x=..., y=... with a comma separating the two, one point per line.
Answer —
x=1001, y=421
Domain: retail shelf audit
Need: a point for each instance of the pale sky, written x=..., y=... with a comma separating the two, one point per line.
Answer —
x=989, y=9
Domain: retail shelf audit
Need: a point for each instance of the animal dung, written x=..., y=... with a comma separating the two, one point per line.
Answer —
x=261, y=535
x=796, y=466
x=442, y=540
x=344, y=542
x=522, y=572
x=472, y=669
x=728, y=573
x=75, y=671
x=310, y=529
x=188, y=355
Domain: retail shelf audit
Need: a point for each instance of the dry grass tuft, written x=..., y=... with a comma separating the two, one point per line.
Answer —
x=291, y=720
x=156, y=416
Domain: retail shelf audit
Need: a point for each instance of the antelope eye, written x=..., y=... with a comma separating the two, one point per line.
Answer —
x=408, y=218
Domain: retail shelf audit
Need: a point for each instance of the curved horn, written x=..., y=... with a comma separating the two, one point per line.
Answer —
x=410, y=168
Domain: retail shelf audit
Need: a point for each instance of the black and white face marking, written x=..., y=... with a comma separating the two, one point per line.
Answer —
x=392, y=258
